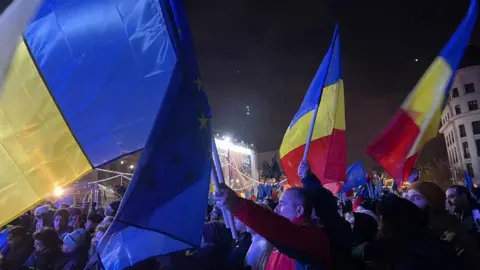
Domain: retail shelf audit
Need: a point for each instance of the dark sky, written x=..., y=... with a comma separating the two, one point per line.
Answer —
x=277, y=46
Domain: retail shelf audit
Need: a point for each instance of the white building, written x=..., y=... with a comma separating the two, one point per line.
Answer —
x=460, y=123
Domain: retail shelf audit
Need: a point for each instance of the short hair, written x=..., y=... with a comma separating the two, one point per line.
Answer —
x=463, y=190
x=48, y=237
x=304, y=197
x=63, y=213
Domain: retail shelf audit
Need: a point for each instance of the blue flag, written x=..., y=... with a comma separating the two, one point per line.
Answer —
x=356, y=176
x=468, y=180
x=164, y=208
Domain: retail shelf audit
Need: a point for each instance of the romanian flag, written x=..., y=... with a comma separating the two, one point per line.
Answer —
x=418, y=119
x=325, y=97
x=83, y=87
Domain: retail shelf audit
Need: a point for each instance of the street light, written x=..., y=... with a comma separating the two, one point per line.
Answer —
x=131, y=167
x=58, y=191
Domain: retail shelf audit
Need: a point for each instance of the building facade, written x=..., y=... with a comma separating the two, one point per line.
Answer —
x=460, y=122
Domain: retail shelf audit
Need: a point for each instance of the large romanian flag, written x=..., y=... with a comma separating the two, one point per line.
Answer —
x=84, y=85
x=417, y=121
x=325, y=96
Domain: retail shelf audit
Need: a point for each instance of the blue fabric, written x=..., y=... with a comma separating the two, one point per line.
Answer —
x=327, y=74
x=413, y=176
x=468, y=180
x=356, y=176
x=379, y=188
x=453, y=51
x=107, y=65
x=164, y=208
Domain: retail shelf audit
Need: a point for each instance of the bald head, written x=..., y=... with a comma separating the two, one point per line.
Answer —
x=294, y=203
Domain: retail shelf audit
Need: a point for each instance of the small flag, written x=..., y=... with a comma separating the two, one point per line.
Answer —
x=355, y=177
x=468, y=180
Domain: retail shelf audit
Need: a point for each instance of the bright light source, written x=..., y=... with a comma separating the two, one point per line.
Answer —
x=218, y=135
x=58, y=191
x=416, y=59
x=251, y=144
x=131, y=167
x=248, y=113
x=227, y=139
x=248, y=107
x=121, y=162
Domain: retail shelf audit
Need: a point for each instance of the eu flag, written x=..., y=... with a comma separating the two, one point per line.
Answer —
x=164, y=208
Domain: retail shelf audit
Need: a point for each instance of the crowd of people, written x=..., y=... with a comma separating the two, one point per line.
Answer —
x=63, y=238
x=307, y=228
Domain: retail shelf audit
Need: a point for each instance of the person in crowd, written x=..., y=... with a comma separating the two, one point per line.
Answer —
x=106, y=221
x=460, y=203
x=260, y=249
x=364, y=228
x=239, y=247
x=112, y=208
x=93, y=220
x=60, y=222
x=43, y=217
x=338, y=230
x=48, y=251
x=216, y=214
x=75, y=254
x=18, y=249
x=93, y=262
x=289, y=229
x=430, y=198
x=405, y=241
x=75, y=220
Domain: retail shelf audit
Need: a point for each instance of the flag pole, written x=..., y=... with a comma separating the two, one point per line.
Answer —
x=217, y=180
x=315, y=111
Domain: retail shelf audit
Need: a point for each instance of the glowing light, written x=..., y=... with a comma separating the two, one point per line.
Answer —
x=416, y=59
x=251, y=144
x=227, y=139
x=58, y=191
x=121, y=162
x=224, y=145
x=132, y=167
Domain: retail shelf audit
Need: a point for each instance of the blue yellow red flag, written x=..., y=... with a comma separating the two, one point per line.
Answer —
x=418, y=119
x=327, y=153
x=164, y=208
x=83, y=88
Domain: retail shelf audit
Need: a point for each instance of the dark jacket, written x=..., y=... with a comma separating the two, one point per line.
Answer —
x=301, y=238
x=15, y=258
x=47, y=260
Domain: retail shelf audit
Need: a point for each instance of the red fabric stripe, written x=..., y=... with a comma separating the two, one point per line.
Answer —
x=326, y=152
x=391, y=148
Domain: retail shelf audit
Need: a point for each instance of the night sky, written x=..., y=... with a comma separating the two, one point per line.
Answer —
x=264, y=53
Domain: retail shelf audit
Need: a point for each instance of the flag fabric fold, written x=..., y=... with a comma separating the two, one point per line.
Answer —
x=468, y=180
x=417, y=121
x=327, y=154
x=164, y=208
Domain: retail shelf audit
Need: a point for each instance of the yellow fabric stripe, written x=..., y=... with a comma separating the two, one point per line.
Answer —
x=424, y=103
x=330, y=115
x=37, y=150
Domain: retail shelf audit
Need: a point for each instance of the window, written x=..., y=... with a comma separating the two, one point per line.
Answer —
x=462, y=131
x=458, y=110
x=470, y=170
x=452, y=139
x=476, y=127
x=466, y=153
x=454, y=92
x=455, y=154
x=472, y=105
x=477, y=142
x=469, y=88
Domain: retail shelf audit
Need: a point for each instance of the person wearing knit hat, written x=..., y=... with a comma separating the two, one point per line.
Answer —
x=41, y=210
x=74, y=240
x=93, y=219
x=430, y=198
x=43, y=216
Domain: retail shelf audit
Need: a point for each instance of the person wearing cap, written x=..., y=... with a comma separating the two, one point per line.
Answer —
x=75, y=253
x=430, y=198
x=48, y=250
x=43, y=217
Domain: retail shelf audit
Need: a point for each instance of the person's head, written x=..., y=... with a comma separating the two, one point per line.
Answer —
x=295, y=203
x=400, y=219
x=64, y=206
x=60, y=220
x=93, y=219
x=46, y=239
x=112, y=208
x=73, y=240
x=40, y=213
x=216, y=214
x=458, y=199
x=427, y=196
x=16, y=235
x=100, y=232
x=364, y=228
